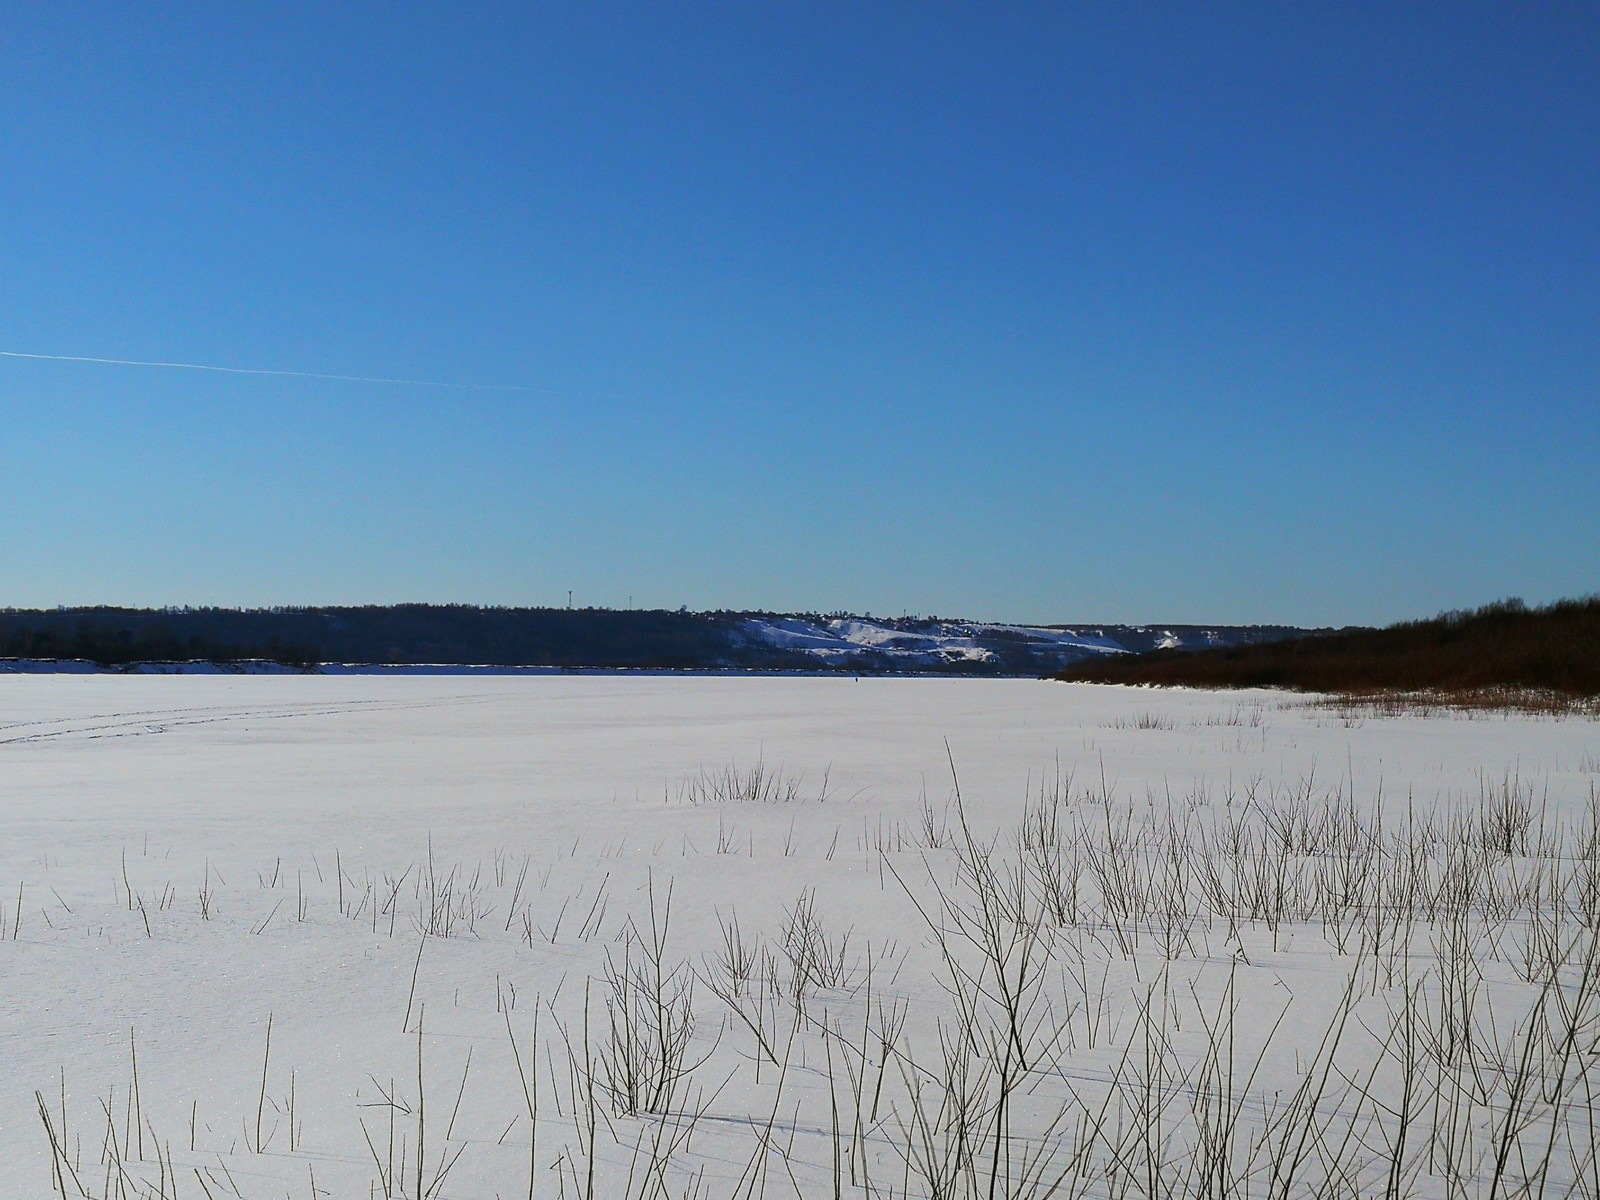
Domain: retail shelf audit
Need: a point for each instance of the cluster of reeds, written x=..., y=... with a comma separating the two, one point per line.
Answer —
x=1276, y=991
x=1432, y=702
x=758, y=784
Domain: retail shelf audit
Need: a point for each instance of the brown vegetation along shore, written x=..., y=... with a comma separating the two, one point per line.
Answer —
x=1506, y=651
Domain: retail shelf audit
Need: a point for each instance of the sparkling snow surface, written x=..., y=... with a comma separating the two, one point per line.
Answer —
x=179, y=843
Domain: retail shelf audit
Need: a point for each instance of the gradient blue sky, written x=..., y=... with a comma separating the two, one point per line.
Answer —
x=1279, y=313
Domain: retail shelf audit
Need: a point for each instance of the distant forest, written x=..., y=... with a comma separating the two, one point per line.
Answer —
x=464, y=634
x=397, y=634
x=1508, y=645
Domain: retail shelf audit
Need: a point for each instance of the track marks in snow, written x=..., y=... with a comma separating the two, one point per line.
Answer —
x=150, y=722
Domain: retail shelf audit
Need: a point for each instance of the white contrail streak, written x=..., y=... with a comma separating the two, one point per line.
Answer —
x=180, y=366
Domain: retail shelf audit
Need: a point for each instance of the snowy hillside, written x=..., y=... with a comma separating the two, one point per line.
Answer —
x=432, y=637
x=918, y=644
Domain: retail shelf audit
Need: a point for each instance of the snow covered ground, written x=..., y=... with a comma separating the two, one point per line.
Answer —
x=271, y=936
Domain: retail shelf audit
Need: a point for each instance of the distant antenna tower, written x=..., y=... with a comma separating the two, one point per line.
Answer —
x=569, y=597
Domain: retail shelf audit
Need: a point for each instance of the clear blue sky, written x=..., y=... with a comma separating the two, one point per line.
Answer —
x=1283, y=313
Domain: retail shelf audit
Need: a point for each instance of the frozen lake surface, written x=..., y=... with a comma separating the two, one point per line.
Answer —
x=405, y=868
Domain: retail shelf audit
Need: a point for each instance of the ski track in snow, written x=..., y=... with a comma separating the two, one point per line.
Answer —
x=154, y=721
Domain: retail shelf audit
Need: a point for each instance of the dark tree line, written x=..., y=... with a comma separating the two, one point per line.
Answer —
x=398, y=634
x=118, y=643
x=1506, y=645
x=464, y=634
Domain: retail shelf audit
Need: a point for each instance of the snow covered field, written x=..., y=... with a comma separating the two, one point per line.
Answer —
x=472, y=936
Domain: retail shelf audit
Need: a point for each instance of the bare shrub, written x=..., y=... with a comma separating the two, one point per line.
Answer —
x=759, y=784
x=650, y=1018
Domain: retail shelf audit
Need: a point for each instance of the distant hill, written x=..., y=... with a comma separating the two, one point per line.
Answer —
x=469, y=635
x=1554, y=649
